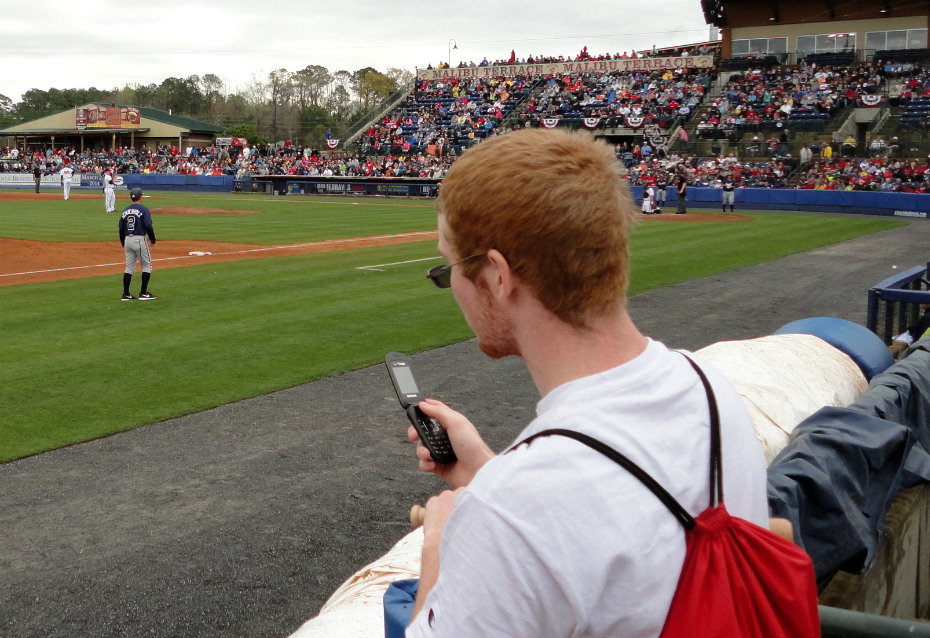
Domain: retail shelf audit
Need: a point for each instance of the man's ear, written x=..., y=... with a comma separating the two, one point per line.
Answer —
x=499, y=276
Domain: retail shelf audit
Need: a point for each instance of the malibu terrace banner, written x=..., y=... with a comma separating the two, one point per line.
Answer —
x=565, y=68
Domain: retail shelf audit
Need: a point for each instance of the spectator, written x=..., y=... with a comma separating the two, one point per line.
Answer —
x=498, y=565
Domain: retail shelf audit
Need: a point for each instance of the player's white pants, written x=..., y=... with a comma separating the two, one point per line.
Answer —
x=66, y=185
x=109, y=197
x=137, y=249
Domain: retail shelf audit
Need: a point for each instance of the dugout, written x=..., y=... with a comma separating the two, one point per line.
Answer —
x=316, y=185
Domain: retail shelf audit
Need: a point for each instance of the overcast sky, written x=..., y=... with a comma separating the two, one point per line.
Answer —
x=104, y=44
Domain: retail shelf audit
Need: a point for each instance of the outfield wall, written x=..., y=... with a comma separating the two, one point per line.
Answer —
x=863, y=202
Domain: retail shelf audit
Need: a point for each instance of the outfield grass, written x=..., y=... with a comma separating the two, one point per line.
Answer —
x=76, y=363
x=281, y=219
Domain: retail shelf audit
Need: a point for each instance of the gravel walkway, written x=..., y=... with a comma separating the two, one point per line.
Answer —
x=240, y=521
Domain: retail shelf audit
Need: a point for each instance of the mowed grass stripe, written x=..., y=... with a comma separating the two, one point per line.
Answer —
x=80, y=364
x=282, y=220
x=86, y=364
x=667, y=253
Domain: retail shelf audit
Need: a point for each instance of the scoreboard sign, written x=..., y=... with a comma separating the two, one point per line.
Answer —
x=95, y=116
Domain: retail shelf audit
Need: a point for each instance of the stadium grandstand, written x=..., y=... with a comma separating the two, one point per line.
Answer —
x=792, y=94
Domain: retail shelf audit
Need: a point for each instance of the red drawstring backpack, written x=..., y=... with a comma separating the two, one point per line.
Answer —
x=738, y=579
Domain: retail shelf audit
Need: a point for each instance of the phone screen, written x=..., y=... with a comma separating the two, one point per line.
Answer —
x=405, y=381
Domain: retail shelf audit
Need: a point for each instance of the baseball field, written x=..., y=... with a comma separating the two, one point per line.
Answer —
x=260, y=293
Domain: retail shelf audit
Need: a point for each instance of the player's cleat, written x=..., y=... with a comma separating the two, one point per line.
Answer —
x=147, y=295
x=127, y=297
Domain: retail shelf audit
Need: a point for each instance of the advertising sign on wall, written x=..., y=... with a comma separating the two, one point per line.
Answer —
x=96, y=116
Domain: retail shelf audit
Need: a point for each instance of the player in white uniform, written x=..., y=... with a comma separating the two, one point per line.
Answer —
x=109, y=195
x=66, y=173
x=649, y=199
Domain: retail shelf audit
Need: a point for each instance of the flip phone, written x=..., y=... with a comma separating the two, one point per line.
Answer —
x=431, y=432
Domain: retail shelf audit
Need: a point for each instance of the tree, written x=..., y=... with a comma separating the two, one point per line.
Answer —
x=341, y=79
x=145, y=95
x=310, y=85
x=246, y=130
x=340, y=104
x=7, y=116
x=180, y=95
x=371, y=87
x=402, y=78
x=314, y=121
x=211, y=87
x=281, y=84
x=37, y=103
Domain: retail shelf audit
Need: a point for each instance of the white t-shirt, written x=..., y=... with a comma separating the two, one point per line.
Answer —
x=555, y=539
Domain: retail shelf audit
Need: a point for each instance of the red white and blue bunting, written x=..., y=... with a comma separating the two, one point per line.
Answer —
x=332, y=144
x=591, y=122
x=549, y=122
x=870, y=99
x=634, y=121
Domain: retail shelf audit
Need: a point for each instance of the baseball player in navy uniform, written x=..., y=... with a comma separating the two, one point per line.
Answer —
x=134, y=224
x=728, y=195
x=109, y=195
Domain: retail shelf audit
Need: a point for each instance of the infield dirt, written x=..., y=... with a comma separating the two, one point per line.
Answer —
x=29, y=261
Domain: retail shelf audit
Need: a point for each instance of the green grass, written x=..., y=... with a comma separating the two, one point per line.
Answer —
x=281, y=220
x=76, y=363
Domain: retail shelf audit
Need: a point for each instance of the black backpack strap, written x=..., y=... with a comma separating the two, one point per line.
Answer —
x=716, y=457
x=673, y=506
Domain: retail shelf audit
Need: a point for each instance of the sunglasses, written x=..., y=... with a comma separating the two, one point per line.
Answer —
x=442, y=275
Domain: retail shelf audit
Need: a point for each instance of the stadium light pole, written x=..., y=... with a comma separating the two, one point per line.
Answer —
x=452, y=45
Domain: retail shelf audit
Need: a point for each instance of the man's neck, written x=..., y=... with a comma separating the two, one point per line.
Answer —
x=556, y=353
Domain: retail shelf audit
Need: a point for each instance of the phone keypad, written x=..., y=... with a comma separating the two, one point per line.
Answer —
x=435, y=439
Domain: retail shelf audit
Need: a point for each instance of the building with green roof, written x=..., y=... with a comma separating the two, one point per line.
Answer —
x=110, y=127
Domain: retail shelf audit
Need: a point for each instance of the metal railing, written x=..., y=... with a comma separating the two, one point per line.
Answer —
x=894, y=304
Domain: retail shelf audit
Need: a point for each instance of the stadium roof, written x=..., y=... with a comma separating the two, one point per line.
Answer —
x=714, y=13
x=195, y=126
x=740, y=13
x=52, y=124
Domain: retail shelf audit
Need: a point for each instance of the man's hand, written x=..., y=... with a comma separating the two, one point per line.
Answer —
x=470, y=448
x=438, y=509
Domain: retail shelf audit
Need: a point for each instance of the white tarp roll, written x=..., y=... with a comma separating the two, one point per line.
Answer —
x=783, y=379
x=355, y=610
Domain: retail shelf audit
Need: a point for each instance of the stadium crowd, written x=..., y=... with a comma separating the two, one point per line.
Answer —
x=712, y=172
x=441, y=118
x=645, y=166
x=581, y=56
x=875, y=174
x=749, y=101
x=242, y=162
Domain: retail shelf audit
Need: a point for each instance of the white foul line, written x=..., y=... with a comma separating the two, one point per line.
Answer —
x=381, y=267
x=327, y=242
